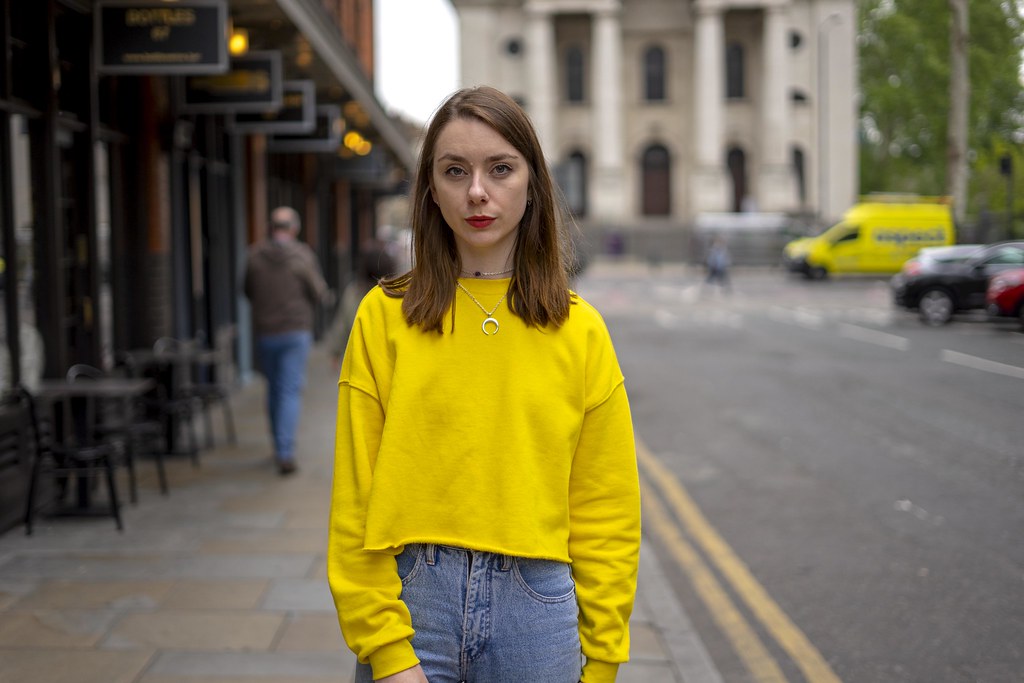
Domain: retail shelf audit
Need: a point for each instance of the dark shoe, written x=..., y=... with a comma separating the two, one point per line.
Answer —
x=286, y=467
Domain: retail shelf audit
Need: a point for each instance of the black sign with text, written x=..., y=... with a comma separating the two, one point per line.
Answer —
x=252, y=84
x=153, y=37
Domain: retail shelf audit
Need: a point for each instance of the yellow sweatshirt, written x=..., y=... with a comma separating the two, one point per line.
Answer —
x=517, y=443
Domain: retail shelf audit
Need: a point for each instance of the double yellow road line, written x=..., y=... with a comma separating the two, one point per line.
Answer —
x=678, y=513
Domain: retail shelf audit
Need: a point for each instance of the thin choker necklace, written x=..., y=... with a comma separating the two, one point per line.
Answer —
x=479, y=273
x=489, y=320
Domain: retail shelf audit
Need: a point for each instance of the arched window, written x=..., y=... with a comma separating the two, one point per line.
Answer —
x=737, y=162
x=800, y=173
x=657, y=187
x=574, y=74
x=734, y=71
x=654, y=74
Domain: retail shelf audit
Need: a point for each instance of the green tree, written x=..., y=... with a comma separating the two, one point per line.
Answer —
x=905, y=75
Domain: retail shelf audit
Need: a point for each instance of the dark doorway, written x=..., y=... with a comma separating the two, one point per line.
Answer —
x=656, y=174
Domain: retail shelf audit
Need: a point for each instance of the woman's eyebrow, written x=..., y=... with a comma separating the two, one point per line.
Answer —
x=503, y=156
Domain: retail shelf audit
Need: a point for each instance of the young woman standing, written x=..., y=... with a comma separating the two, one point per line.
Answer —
x=485, y=524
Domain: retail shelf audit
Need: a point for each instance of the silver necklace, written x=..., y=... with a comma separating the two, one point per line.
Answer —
x=479, y=273
x=490, y=314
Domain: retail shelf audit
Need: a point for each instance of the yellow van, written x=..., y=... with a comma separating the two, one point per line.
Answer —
x=875, y=236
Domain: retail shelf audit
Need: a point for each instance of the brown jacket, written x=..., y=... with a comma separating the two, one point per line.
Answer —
x=284, y=285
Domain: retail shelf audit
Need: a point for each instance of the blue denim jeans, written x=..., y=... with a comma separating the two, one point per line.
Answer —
x=486, y=618
x=283, y=362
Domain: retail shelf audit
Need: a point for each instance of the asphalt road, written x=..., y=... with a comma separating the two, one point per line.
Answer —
x=856, y=478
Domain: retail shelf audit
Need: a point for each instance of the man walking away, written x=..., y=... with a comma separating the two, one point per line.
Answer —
x=284, y=285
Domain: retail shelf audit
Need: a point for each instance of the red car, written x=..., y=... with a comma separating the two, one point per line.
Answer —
x=1005, y=294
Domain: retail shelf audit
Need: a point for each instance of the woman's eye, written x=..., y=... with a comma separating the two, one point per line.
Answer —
x=454, y=171
x=502, y=169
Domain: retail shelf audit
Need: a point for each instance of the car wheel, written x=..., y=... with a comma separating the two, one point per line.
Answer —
x=817, y=273
x=935, y=307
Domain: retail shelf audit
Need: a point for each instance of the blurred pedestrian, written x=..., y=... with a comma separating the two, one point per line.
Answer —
x=374, y=263
x=485, y=522
x=284, y=285
x=718, y=262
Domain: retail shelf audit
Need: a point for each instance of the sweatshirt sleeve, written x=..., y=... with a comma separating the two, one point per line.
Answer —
x=604, y=534
x=366, y=587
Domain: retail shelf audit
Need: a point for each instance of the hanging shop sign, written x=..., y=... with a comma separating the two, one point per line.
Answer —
x=325, y=137
x=251, y=84
x=296, y=116
x=155, y=37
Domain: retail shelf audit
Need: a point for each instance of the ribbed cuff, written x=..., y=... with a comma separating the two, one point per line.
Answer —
x=393, y=658
x=595, y=671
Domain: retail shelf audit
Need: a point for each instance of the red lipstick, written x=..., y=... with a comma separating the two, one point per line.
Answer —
x=480, y=221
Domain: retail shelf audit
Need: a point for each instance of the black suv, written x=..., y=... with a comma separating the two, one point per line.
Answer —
x=939, y=292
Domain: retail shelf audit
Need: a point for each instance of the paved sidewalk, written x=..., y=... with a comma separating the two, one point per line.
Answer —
x=224, y=580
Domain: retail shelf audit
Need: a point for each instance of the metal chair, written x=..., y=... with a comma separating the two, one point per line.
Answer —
x=173, y=401
x=213, y=383
x=126, y=422
x=65, y=459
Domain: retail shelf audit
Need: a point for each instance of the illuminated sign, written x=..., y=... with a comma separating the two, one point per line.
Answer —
x=253, y=84
x=152, y=37
x=297, y=114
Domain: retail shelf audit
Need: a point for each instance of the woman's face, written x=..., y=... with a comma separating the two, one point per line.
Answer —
x=480, y=182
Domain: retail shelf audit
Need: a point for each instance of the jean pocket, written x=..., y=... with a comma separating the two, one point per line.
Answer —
x=544, y=580
x=409, y=562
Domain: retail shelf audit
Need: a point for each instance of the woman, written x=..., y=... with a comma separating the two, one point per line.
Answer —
x=485, y=523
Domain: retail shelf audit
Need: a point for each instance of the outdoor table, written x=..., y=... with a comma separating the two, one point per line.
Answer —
x=81, y=398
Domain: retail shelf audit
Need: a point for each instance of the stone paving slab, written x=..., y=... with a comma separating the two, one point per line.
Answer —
x=299, y=595
x=115, y=595
x=217, y=593
x=261, y=541
x=54, y=628
x=196, y=630
x=149, y=678
x=71, y=666
x=265, y=666
x=311, y=633
x=199, y=567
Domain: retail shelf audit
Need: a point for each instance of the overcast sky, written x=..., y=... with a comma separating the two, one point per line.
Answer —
x=417, y=55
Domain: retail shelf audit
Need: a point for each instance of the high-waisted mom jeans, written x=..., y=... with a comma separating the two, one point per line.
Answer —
x=486, y=618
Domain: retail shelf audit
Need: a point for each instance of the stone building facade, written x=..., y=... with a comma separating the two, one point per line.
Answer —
x=660, y=114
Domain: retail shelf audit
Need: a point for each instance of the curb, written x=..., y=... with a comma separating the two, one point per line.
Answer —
x=685, y=651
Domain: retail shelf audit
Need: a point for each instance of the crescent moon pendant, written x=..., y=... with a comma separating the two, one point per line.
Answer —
x=488, y=321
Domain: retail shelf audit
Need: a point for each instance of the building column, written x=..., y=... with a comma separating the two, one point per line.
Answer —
x=607, y=195
x=709, y=187
x=478, y=27
x=541, y=77
x=776, y=189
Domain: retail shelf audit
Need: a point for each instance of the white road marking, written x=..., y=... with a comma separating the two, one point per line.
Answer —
x=984, y=364
x=866, y=334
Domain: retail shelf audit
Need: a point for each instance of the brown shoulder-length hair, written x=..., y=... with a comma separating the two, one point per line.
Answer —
x=539, y=290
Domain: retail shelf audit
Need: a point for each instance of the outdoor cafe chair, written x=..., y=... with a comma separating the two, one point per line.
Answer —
x=65, y=460
x=213, y=384
x=125, y=420
x=166, y=361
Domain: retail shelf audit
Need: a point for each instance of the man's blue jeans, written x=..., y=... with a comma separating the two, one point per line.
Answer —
x=283, y=362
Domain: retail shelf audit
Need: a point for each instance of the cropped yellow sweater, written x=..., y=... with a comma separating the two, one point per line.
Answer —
x=517, y=443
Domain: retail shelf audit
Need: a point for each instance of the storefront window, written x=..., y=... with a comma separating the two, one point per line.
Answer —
x=31, y=342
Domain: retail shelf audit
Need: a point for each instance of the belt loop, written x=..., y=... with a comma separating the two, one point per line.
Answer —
x=431, y=551
x=506, y=563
